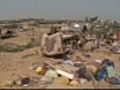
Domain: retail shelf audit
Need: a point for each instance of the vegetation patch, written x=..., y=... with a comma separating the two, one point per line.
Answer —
x=12, y=47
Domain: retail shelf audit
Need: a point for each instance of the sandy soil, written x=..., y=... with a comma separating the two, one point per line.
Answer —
x=12, y=65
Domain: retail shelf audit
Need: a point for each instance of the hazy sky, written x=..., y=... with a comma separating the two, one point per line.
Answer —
x=59, y=9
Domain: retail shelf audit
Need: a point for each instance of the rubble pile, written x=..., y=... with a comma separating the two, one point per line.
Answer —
x=67, y=71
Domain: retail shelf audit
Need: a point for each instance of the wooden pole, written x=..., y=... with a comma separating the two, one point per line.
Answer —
x=33, y=32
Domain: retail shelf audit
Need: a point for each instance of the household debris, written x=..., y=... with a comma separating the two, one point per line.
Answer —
x=65, y=73
x=61, y=80
x=46, y=79
x=69, y=72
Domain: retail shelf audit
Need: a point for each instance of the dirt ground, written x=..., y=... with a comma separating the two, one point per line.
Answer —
x=13, y=65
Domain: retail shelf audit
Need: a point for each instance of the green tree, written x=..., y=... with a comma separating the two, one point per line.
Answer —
x=93, y=19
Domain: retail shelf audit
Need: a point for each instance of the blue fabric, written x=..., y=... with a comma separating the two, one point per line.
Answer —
x=113, y=49
x=99, y=75
x=115, y=80
x=105, y=62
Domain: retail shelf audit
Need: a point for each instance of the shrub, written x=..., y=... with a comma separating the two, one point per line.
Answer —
x=9, y=47
x=12, y=47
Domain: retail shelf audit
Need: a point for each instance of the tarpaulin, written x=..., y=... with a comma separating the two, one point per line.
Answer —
x=51, y=44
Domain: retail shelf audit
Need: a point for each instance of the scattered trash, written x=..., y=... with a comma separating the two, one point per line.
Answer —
x=38, y=70
x=61, y=80
x=51, y=73
x=88, y=76
x=110, y=71
x=113, y=49
x=98, y=61
x=69, y=68
x=7, y=83
x=49, y=64
x=94, y=63
x=77, y=64
x=68, y=72
x=82, y=80
x=46, y=79
x=77, y=72
x=63, y=73
x=69, y=62
x=25, y=81
x=87, y=54
x=107, y=62
x=18, y=83
x=91, y=69
x=74, y=83
x=82, y=71
x=100, y=74
x=57, y=67
x=44, y=69
x=115, y=80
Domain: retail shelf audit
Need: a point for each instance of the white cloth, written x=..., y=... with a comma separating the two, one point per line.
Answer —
x=65, y=28
x=79, y=42
x=76, y=25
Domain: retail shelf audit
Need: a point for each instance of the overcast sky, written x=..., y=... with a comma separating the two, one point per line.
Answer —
x=59, y=9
